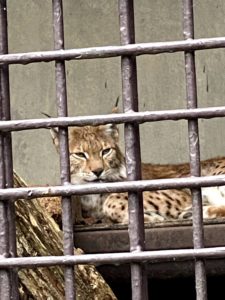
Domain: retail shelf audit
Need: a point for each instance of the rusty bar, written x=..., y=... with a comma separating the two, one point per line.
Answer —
x=112, y=187
x=155, y=256
x=194, y=150
x=131, y=117
x=132, y=146
x=61, y=95
x=114, y=51
x=9, y=279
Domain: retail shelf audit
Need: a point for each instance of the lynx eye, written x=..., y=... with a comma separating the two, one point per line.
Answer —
x=80, y=154
x=106, y=151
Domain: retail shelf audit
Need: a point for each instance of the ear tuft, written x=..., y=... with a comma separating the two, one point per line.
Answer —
x=43, y=113
x=55, y=137
x=115, y=109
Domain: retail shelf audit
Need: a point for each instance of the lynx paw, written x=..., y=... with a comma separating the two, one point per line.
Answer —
x=186, y=214
x=152, y=217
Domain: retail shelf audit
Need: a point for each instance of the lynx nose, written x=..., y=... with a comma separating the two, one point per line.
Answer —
x=98, y=172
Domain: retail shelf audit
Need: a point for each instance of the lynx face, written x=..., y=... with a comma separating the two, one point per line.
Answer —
x=95, y=155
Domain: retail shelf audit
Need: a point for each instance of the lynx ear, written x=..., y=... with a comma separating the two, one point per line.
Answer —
x=115, y=109
x=54, y=133
x=55, y=137
x=111, y=130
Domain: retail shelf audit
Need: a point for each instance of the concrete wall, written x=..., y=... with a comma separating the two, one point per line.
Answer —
x=94, y=85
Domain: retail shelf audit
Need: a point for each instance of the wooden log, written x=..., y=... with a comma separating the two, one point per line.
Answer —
x=39, y=235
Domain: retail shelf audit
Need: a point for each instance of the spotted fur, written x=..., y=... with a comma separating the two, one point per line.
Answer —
x=172, y=204
x=95, y=156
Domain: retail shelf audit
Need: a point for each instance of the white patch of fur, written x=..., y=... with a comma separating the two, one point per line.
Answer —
x=116, y=174
x=205, y=212
x=123, y=172
x=90, y=201
x=214, y=195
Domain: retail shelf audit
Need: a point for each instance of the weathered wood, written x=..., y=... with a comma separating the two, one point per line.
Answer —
x=39, y=235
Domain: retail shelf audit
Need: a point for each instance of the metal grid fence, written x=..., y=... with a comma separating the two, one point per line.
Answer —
x=131, y=118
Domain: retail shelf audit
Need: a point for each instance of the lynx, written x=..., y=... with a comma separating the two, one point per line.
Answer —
x=95, y=156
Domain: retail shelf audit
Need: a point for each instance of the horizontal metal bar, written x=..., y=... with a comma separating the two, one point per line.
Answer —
x=136, y=117
x=119, y=187
x=114, y=258
x=113, y=51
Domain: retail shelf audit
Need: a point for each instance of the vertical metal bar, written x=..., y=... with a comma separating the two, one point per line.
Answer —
x=132, y=145
x=194, y=149
x=9, y=208
x=61, y=95
x=5, y=287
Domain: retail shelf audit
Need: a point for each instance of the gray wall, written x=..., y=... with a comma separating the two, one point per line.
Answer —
x=94, y=85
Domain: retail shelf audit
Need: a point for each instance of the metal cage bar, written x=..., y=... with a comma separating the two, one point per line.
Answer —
x=114, y=187
x=130, y=117
x=128, y=50
x=194, y=151
x=61, y=95
x=5, y=290
x=7, y=164
x=115, y=258
x=113, y=51
x=132, y=149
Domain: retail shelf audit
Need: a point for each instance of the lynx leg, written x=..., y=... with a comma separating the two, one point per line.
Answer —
x=209, y=212
x=115, y=208
x=212, y=212
x=152, y=217
x=186, y=214
x=76, y=210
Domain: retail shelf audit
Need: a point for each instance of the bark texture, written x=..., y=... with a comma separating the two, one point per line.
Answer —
x=39, y=235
